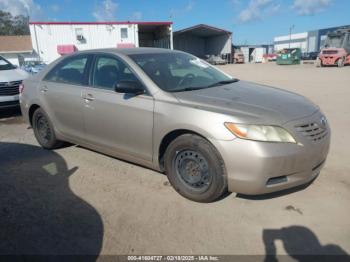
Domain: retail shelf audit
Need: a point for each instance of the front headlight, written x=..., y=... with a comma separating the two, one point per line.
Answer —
x=260, y=133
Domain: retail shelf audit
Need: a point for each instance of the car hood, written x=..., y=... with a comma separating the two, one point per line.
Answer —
x=250, y=103
x=12, y=75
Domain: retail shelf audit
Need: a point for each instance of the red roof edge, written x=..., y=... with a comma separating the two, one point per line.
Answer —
x=102, y=23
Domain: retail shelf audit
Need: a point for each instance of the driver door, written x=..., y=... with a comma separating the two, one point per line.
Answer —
x=114, y=121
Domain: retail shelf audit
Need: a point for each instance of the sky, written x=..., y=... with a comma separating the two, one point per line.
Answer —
x=251, y=21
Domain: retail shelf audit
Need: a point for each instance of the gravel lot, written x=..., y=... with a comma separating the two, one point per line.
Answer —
x=76, y=201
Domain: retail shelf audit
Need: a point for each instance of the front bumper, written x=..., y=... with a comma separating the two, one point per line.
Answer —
x=329, y=60
x=9, y=101
x=255, y=168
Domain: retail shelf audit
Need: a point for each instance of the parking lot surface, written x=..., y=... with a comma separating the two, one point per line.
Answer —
x=76, y=201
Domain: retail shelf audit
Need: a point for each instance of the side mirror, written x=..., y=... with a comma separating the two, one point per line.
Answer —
x=129, y=87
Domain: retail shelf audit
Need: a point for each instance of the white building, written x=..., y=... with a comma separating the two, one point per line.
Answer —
x=299, y=40
x=52, y=39
x=310, y=41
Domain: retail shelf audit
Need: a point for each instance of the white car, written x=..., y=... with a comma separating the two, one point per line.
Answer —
x=10, y=79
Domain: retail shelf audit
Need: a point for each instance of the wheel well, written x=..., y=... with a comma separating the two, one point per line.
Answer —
x=31, y=112
x=168, y=139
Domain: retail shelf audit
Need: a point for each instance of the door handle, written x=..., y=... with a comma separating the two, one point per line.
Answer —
x=44, y=89
x=89, y=97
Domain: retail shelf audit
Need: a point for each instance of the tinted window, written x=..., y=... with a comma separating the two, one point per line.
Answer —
x=179, y=71
x=69, y=71
x=5, y=65
x=109, y=71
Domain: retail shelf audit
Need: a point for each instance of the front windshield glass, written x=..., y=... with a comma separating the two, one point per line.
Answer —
x=335, y=41
x=5, y=65
x=176, y=72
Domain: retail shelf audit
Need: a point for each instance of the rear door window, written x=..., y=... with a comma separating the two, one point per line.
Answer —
x=70, y=71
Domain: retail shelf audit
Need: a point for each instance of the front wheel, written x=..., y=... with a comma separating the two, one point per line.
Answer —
x=195, y=169
x=44, y=131
x=340, y=62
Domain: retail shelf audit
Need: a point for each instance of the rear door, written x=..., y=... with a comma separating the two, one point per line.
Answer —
x=114, y=121
x=61, y=95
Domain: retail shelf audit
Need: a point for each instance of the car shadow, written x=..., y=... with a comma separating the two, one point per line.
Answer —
x=39, y=213
x=278, y=193
x=301, y=244
x=223, y=196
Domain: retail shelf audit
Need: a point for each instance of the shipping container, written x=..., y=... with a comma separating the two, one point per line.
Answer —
x=253, y=54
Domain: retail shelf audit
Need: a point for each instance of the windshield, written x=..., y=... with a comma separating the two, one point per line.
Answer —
x=5, y=65
x=334, y=41
x=176, y=72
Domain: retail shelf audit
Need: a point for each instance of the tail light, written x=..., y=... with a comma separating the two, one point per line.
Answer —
x=21, y=88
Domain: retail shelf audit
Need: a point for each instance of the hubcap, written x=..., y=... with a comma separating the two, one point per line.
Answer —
x=43, y=128
x=192, y=169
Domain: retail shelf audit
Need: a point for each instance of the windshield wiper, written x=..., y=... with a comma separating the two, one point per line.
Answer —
x=191, y=88
x=225, y=82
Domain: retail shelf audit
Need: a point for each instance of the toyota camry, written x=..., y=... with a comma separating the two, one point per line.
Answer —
x=175, y=113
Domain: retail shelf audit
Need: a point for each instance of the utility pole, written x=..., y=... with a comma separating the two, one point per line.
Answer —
x=290, y=33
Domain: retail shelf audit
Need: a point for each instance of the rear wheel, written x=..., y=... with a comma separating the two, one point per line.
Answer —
x=340, y=62
x=44, y=131
x=195, y=169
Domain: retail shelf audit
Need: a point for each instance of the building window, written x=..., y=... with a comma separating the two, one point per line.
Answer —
x=124, y=33
x=79, y=34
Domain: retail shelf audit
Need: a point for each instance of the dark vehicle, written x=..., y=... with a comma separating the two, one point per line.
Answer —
x=309, y=56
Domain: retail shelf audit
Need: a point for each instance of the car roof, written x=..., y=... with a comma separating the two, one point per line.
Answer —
x=131, y=51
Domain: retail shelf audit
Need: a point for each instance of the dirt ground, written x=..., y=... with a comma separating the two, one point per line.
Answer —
x=76, y=201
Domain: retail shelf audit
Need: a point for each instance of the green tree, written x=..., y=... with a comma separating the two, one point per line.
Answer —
x=10, y=25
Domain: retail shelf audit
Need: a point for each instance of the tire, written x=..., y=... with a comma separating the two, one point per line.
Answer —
x=195, y=168
x=44, y=131
x=340, y=62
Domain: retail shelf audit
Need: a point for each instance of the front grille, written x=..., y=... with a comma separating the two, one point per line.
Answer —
x=329, y=52
x=9, y=88
x=9, y=104
x=312, y=131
